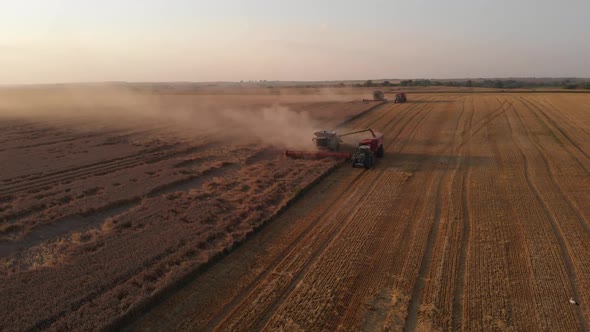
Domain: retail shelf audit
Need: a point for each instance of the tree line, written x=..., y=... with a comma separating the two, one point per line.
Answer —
x=498, y=84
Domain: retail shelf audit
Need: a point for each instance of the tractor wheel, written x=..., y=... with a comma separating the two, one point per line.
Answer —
x=380, y=152
x=369, y=162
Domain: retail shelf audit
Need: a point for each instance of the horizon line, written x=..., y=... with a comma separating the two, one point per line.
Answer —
x=290, y=81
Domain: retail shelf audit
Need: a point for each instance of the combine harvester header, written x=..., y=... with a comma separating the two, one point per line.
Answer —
x=318, y=154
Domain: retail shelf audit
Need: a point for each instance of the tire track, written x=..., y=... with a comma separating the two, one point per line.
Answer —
x=413, y=309
x=65, y=140
x=580, y=216
x=278, y=304
x=546, y=125
x=519, y=311
x=375, y=251
x=411, y=107
x=98, y=169
x=325, y=284
x=45, y=323
x=41, y=176
x=293, y=265
x=528, y=269
x=370, y=111
x=271, y=314
x=77, y=222
x=247, y=290
x=575, y=213
x=482, y=123
x=260, y=322
x=387, y=110
x=515, y=304
x=121, y=208
x=243, y=291
x=556, y=126
x=572, y=122
x=556, y=228
x=387, y=242
x=457, y=302
x=434, y=274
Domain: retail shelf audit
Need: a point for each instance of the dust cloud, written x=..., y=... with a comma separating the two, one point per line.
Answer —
x=239, y=119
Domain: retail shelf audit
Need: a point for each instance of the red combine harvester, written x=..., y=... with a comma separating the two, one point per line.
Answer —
x=400, y=97
x=328, y=144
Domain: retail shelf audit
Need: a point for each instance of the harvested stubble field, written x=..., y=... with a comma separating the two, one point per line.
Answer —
x=106, y=204
x=477, y=218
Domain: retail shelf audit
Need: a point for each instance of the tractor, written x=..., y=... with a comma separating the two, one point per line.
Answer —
x=368, y=149
x=363, y=157
x=328, y=145
x=400, y=97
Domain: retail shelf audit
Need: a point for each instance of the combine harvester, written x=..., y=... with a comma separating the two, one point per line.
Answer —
x=328, y=144
x=377, y=96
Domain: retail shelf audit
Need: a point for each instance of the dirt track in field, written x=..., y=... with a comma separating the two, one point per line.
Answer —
x=477, y=218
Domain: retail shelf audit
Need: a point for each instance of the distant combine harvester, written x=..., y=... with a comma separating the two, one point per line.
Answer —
x=377, y=96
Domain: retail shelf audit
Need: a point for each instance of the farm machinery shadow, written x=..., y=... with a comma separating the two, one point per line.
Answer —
x=428, y=101
x=426, y=161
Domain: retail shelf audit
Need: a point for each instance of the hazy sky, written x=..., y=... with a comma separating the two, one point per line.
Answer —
x=181, y=40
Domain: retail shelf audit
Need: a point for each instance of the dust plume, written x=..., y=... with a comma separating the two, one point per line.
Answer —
x=242, y=120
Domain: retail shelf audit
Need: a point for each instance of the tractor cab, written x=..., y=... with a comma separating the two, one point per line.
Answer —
x=363, y=157
x=372, y=143
x=364, y=149
x=375, y=144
